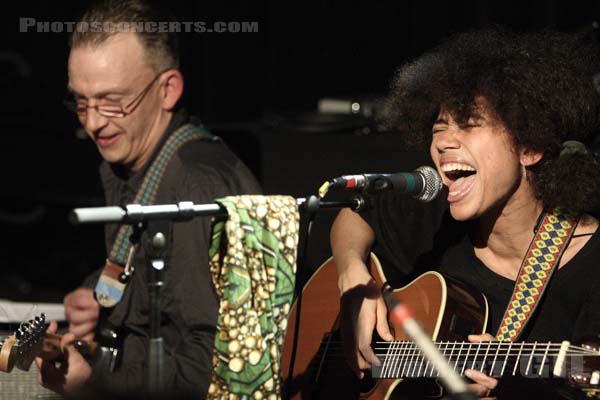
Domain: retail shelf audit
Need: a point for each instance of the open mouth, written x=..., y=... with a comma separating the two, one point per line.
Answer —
x=460, y=179
x=105, y=141
x=455, y=171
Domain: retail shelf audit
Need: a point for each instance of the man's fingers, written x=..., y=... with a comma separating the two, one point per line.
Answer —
x=82, y=330
x=38, y=362
x=87, y=338
x=81, y=304
x=52, y=327
x=66, y=341
x=80, y=315
x=81, y=300
x=81, y=296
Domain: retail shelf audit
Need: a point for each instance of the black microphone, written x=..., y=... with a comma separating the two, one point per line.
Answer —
x=424, y=183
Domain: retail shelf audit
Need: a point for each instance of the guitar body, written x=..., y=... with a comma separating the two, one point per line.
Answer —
x=446, y=310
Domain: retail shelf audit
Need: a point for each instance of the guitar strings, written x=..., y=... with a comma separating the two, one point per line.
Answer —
x=541, y=349
x=401, y=358
x=493, y=343
x=517, y=344
x=454, y=356
x=385, y=346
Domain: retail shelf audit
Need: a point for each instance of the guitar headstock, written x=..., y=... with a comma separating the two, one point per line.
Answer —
x=584, y=367
x=19, y=349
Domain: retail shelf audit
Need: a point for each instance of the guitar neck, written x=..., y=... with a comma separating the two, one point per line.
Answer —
x=543, y=360
x=51, y=348
x=21, y=352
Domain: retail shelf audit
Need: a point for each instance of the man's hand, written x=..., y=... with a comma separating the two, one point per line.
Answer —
x=483, y=384
x=362, y=310
x=81, y=311
x=66, y=373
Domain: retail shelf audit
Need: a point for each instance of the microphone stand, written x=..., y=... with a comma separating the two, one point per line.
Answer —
x=157, y=221
x=186, y=210
x=155, y=246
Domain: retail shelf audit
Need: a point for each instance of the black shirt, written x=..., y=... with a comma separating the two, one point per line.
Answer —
x=199, y=172
x=413, y=237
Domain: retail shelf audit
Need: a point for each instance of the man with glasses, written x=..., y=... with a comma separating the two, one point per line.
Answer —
x=125, y=88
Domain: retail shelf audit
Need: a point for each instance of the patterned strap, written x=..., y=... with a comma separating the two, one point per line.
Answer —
x=552, y=237
x=254, y=279
x=110, y=288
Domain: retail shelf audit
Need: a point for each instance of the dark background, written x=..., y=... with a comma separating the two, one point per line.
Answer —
x=259, y=91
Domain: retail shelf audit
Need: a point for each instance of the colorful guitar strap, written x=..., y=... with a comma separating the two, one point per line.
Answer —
x=111, y=285
x=553, y=233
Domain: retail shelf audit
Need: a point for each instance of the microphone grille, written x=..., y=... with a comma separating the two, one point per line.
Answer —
x=432, y=184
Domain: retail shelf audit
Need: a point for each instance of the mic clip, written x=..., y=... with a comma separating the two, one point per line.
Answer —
x=366, y=183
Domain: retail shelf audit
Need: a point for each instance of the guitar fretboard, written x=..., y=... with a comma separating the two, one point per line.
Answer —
x=544, y=360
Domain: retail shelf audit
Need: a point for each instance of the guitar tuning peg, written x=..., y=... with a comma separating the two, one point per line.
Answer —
x=43, y=317
x=18, y=333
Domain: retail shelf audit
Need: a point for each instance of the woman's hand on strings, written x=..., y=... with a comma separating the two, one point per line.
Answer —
x=483, y=385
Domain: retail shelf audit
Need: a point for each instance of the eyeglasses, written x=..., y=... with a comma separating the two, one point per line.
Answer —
x=110, y=110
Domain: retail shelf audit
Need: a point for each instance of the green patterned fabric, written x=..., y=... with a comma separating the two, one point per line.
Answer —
x=254, y=277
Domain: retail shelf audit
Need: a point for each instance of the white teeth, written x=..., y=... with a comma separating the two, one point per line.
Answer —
x=456, y=167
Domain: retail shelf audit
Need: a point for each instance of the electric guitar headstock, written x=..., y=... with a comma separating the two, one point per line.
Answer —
x=30, y=340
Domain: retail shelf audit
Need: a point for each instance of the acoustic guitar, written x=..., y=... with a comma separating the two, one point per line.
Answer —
x=448, y=311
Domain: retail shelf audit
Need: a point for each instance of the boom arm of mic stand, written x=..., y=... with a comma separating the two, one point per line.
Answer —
x=135, y=213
